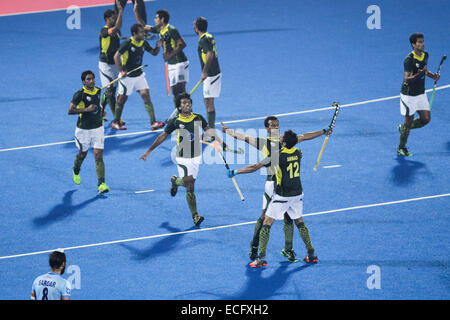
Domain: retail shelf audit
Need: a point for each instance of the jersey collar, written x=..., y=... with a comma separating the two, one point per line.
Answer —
x=137, y=44
x=288, y=151
x=182, y=119
x=166, y=28
x=420, y=58
x=86, y=90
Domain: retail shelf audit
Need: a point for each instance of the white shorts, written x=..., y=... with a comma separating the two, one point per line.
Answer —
x=212, y=86
x=178, y=72
x=279, y=205
x=409, y=105
x=188, y=166
x=85, y=138
x=128, y=84
x=269, y=190
x=108, y=72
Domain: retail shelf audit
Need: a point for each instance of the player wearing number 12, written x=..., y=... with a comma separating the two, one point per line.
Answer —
x=51, y=286
x=288, y=197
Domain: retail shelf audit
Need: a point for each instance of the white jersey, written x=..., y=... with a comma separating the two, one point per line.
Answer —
x=51, y=286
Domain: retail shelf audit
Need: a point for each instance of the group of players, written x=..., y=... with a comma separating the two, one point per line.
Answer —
x=283, y=192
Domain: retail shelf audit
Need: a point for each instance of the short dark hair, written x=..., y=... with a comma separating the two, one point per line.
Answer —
x=135, y=28
x=269, y=118
x=108, y=14
x=163, y=14
x=413, y=38
x=201, y=24
x=182, y=95
x=85, y=74
x=56, y=259
x=290, y=138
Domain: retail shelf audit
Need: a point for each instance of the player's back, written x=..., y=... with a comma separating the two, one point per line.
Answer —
x=50, y=286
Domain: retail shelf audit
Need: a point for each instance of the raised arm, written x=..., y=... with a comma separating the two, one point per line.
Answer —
x=156, y=143
x=240, y=136
x=118, y=24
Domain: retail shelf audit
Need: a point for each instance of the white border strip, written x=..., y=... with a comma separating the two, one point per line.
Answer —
x=232, y=121
x=223, y=227
x=61, y=9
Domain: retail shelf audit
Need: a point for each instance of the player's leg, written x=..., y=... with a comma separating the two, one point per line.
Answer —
x=304, y=234
x=188, y=171
x=98, y=143
x=125, y=89
x=264, y=237
x=142, y=87
x=424, y=118
x=407, y=109
x=82, y=143
x=288, y=228
x=211, y=90
x=254, y=243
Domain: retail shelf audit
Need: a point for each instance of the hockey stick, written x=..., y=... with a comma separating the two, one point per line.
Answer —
x=215, y=145
x=435, y=81
x=333, y=120
x=120, y=77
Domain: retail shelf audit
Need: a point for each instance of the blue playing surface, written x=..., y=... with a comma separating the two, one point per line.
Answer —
x=276, y=57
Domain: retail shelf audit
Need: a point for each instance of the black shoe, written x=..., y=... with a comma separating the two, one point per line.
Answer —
x=198, y=220
x=289, y=254
x=174, y=188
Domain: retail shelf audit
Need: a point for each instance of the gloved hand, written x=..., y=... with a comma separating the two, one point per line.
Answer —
x=231, y=173
x=328, y=130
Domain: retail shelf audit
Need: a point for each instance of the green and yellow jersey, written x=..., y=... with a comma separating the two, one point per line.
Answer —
x=132, y=53
x=287, y=174
x=268, y=146
x=188, y=134
x=413, y=63
x=109, y=43
x=207, y=43
x=169, y=36
x=83, y=98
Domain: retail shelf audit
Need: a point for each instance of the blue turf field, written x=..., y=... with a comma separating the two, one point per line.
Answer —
x=298, y=56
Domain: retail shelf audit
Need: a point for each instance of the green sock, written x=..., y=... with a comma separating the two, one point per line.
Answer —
x=151, y=111
x=304, y=234
x=180, y=182
x=100, y=170
x=288, y=228
x=192, y=202
x=112, y=104
x=211, y=119
x=255, y=240
x=264, y=236
x=417, y=123
x=118, y=112
x=404, y=133
x=77, y=165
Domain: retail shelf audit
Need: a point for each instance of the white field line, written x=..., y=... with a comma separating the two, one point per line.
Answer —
x=334, y=166
x=232, y=121
x=223, y=227
x=144, y=191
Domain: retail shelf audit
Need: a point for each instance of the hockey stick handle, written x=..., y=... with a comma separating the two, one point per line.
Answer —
x=333, y=120
x=440, y=65
x=216, y=147
x=115, y=80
